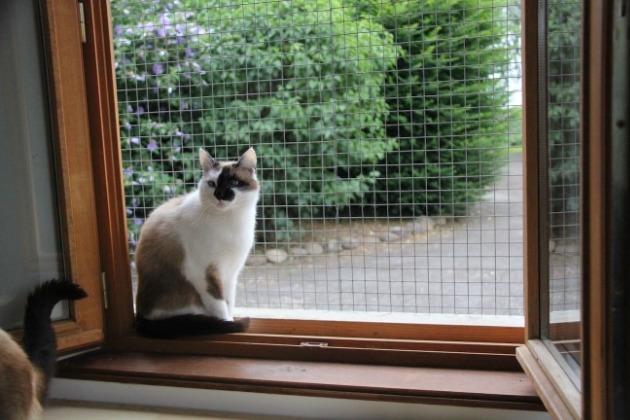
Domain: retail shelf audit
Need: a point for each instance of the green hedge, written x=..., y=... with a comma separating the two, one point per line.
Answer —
x=398, y=107
x=301, y=81
x=565, y=24
x=448, y=104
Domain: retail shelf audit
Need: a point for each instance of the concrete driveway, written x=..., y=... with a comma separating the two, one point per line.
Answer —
x=468, y=265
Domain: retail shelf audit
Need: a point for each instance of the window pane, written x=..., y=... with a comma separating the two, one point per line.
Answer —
x=563, y=70
x=388, y=136
x=30, y=244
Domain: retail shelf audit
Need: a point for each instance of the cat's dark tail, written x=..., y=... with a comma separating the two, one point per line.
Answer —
x=40, y=343
x=183, y=325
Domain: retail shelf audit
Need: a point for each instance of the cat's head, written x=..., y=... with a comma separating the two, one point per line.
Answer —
x=229, y=185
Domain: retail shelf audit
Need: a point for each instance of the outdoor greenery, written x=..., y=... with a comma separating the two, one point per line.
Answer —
x=447, y=101
x=564, y=116
x=300, y=81
x=346, y=101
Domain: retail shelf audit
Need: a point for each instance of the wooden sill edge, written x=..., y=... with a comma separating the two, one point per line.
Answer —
x=546, y=384
x=463, y=387
x=71, y=336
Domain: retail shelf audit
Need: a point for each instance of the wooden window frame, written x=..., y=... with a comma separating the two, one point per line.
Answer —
x=477, y=355
x=114, y=250
x=593, y=399
x=100, y=80
x=75, y=182
x=471, y=352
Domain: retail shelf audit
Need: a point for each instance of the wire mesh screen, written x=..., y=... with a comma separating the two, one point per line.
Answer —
x=388, y=137
x=564, y=39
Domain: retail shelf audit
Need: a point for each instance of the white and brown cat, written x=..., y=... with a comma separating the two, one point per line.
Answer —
x=192, y=249
x=25, y=373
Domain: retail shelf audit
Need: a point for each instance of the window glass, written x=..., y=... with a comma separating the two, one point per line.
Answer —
x=30, y=244
x=563, y=187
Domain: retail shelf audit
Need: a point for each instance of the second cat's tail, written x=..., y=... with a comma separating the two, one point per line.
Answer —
x=40, y=343
x=183, y=325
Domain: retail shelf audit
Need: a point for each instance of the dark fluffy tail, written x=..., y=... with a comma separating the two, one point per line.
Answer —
x=182, y=325
x=40, y=343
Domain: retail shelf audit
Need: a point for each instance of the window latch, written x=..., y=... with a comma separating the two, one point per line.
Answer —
x=313, y=344
x=82, y=22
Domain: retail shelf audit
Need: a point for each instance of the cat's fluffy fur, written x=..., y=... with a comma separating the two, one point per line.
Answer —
x=192, y=249
x=25, y=373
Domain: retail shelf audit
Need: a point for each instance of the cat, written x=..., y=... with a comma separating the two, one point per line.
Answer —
x=25, y=373
x=191, y=250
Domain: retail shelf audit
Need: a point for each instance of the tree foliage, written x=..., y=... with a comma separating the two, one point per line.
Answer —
x=564, y=114
x=448, y=100
x=301, y=81
x=395, y=106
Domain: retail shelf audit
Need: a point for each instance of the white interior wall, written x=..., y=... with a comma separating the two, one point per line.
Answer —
x=271, y=404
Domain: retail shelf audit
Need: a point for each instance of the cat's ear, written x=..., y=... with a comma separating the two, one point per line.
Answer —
x=207, y=161
x=248, y=160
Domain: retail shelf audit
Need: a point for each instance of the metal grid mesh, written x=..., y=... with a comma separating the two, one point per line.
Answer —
x=564, y=40
x=388, y=136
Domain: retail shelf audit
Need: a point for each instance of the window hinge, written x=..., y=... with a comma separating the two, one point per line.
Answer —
x=82, y=23
x=104, y=284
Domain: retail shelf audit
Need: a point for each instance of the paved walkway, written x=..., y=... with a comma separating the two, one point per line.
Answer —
x=471, y=265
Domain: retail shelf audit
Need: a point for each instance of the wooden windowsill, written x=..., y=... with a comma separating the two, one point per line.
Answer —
x=466, y=387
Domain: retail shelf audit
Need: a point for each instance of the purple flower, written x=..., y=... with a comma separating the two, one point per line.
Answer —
x=135, y=140
x=160, y=32
x=139, y=110
x=190, y=53
x=158, y=68
x=138, y=222
x=128, y=171
x=149, y=27
x=152, y=146
x=118, y=31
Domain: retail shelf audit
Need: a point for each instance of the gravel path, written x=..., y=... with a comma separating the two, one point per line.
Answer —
x=469, y=265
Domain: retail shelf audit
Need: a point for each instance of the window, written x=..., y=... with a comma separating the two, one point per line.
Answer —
x=72, y=176
x=392, y=344
x=584, y=391
x=30, y=243
x=320, y=342
x=561, y=310
x=388, y=144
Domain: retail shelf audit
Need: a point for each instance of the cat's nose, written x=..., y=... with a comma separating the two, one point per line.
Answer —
x=223, y=195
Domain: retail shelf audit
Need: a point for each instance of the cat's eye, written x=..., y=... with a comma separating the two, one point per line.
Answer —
x=212, y=184
x=235, y=183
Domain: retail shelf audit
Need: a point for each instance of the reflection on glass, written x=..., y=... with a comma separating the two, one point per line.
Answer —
x=563, y=140
x=30, y=245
